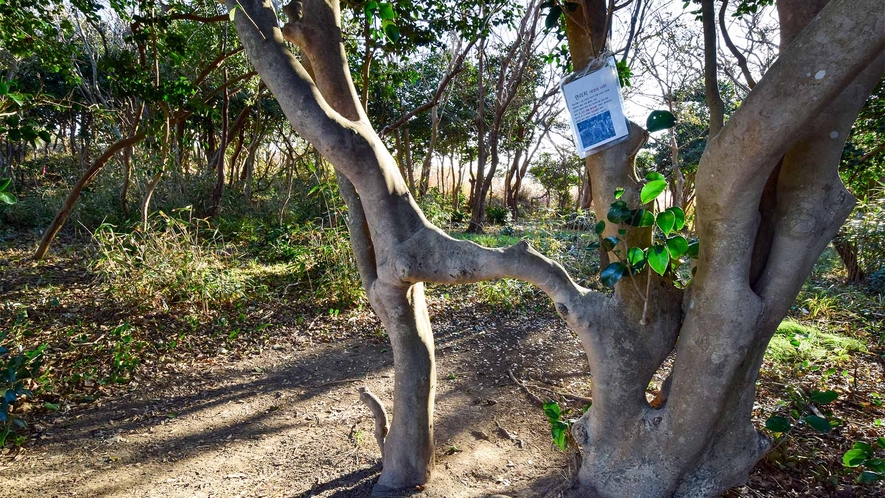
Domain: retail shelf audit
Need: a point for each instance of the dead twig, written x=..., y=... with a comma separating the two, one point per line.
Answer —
x=528, y=391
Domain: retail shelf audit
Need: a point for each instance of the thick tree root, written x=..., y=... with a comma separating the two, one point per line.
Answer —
x=382, y=422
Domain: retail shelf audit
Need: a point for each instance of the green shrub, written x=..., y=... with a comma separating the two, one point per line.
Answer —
x=173, y=262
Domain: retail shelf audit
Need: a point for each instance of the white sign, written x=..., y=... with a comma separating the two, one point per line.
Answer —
x=596, y=109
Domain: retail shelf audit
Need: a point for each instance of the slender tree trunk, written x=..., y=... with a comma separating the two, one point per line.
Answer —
x=848, y=253
x=63, y=213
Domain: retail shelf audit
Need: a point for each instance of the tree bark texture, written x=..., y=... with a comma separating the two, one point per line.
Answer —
x=697, y=439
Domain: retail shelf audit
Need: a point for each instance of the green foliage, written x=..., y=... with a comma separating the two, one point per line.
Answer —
x=5, y=196
x=660, y=120
x=16, y=369
x=174, y=262
x=797, y=344
x=560, y=425
x=802, y=410
x=863, y=455
x=668, y=251
x=865, y=231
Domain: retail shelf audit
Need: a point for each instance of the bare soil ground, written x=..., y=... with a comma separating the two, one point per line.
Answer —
x=274, y=411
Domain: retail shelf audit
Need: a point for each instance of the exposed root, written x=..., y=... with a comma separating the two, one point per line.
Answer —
x=382, y=422
x=525, y=388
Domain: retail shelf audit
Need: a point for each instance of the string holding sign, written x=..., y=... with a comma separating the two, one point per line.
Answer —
x=595, y=106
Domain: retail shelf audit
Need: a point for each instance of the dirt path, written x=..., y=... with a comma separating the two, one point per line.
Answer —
x=288, y=422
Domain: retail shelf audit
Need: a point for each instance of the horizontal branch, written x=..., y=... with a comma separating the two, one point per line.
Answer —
x=433, y=256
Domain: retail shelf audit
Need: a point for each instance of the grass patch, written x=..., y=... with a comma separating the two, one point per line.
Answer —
x=794, y=343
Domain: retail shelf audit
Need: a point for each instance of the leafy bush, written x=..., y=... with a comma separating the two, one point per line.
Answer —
x=496, y=215
x=173, y=262
x=863, y=454
x=15, y=370
x=319, y=257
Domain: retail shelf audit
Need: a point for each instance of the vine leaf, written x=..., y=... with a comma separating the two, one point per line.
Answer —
x=660, y=120
x=612, y=273
x=658, y=258
x=677, y=246
x=666, y=221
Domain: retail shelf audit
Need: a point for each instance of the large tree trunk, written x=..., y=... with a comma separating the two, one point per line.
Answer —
x=698, y=440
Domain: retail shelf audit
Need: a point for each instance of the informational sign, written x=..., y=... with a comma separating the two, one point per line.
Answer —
x=596, y=109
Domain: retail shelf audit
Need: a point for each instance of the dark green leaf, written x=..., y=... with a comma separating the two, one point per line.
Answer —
x=552, y=19
x=7, y=198
x=599, y=228
x=44, y=135
x=665, y=221
x=3, y=88
x=609, y=243
x=658, y=258
x=819, y=424
x=692, y=251
x=619, y=212
x=593, y=246
x=612, y=273
x=370, y=8
x=824, y=397
x=392, y=32
x=4, y=184
x=660, y=120
x=867, y=477
x=677, y=246
x=651, y=190
x=881, y=442
x=778, y=424
x=642, y=218
x=875, y=464
x=51, y=406
x=654, y=176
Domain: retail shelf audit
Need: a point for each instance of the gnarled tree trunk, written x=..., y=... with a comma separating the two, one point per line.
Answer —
x=698, y=439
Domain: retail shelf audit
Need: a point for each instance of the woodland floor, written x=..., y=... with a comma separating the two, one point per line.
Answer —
x=273, y=410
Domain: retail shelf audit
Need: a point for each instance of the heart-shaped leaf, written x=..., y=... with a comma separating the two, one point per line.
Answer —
x=660, y=120
x=599, y=228
x=666, y=220
x=609, y=243
x=612, y=273
x=677, y=246
x=819, y=424
x=680, y=217
x=392, y=32
x=778, y=424
x=635, y=256
x=824, y=397
x=651, y=190
x=658, y=258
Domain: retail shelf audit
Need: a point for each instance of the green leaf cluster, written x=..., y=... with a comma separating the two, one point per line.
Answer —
x=862, y=454
x=668, y=250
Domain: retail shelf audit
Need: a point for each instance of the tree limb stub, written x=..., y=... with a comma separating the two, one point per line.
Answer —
x=382, y=423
